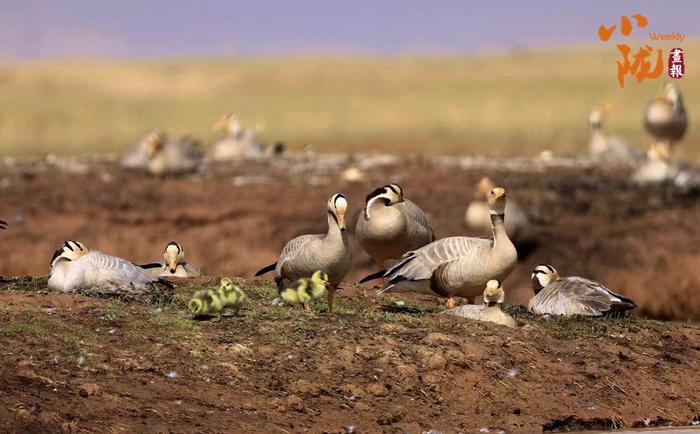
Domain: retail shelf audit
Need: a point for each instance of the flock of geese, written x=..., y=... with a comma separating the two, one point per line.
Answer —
x=391, y=229
x=665, y=119
x=160, y=155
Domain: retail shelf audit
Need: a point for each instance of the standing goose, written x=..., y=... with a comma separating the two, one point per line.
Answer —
x=306, y=254
x=490, y=311
x=555, y=295
x=521, y=231
x=456, y=266
x=167, y=157
x=391, y=225
x=665, y=119
x=608, y=148
x=75, y=267
x=173, y=263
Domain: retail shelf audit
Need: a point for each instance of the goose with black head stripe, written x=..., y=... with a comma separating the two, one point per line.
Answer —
x=306, y=254
x=75, y=267
x=574, y=295
x=173, y=263
x=391, y=225
x=455, y=266
x=3, y=224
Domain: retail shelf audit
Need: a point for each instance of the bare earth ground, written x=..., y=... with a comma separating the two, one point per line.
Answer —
x=72, y=362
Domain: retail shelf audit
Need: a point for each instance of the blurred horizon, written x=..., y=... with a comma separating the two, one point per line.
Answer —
x=133, y=29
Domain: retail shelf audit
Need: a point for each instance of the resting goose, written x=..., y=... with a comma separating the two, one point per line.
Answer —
x=306, y=254
x=75, y=267
x=239, y=142
x=455, y=266
x=136, y=158
x=521, y=231
x=556, y=295
x=166, y=157
x=390, y=225
x=604, y=148
x=173, y=263
x=666, y=120
x=490, y=311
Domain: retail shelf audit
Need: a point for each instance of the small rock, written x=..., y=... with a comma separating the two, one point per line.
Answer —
x=89, y=389
x=172, y=375
x=81, y=361
x=305, y=387
x=362, y=407
x=377, y=389
x=350, y=429
x=438, y=338
x=352, y=390
x=695, y=420
x=513, y=373
x=295, y=402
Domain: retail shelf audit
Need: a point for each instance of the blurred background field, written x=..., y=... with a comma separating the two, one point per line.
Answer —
x=516, y=102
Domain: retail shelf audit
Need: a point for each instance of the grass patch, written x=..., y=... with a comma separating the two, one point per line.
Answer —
x=22, y=329
x=495, y=104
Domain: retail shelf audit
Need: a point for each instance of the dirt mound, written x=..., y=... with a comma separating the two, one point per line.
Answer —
x=80, y=364
x=236, y=218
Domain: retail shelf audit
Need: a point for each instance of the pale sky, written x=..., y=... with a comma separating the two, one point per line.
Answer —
x=31, y=29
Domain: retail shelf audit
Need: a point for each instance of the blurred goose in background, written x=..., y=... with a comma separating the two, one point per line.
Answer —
x=555, y=295
x=391, y=225
x=167, y=157
x=455, y=266
x=521, y=231
x=239, y=142
x=75, y=267
x=306, y=254
x=666, y=120
x=3, y=225
x=604, y=148
x=136, y=158
x=490, y=311
x=173, y=263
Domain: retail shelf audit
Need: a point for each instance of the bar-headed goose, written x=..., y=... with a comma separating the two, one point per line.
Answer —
x=490, y=311
x=391, y=225
x=455, y=266
x=136, y=158
x=521, y=231
x=173, y=263
x=605, y=148
x=239, y=142
x=666, y=120
x=306, y=254
x=556, y=295
x=168, y=157
x=75, y=267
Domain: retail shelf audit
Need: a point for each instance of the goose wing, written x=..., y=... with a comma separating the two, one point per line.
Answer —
x=472, y=311
x=413, y=212
x=420, y=264
x=578, y=296
x=118, y=271
x=292, y=249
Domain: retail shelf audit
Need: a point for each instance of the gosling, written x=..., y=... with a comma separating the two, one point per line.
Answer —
x=305, y=290
x=206, y=303
x=231, y=295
